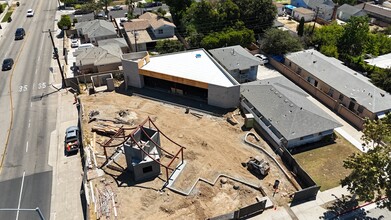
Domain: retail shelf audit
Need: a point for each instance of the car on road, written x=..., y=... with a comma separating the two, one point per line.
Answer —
x=7, y=64
x=117, y=8
x=30, y=13
x=153, y=4
x=19, y=34
x=262, y=58
x=72, y=136
x=74, y=43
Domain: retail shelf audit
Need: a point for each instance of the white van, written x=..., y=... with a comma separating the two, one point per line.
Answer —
x=86, y=45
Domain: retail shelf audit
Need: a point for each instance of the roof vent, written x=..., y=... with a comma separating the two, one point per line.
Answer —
x=233, y=52
x=301, y=108
x=382, y=94
x=286, y=100
x=291, y=105
x=314, y=61
x=198, y=55
x=280, y=96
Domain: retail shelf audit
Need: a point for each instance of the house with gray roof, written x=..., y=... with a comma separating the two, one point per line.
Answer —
x=99, y=59
x=380, y=13
x=383, y=61
x=121, y=42
x=95, y=30
x=285, y=113
x=143, y=33
x=241, y=64
x=342, y=89
x=325, y=7
x=345, y=11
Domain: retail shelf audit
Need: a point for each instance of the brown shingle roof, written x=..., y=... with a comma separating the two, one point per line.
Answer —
x=136, y=24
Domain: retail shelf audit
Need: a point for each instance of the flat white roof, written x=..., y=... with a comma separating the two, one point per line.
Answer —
x=194, y=65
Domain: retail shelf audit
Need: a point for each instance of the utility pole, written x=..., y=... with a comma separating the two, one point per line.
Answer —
x=316, y=16
x=135, y=39
x=58, y=59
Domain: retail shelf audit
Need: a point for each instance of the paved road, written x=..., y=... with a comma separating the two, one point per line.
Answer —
x=28, y=112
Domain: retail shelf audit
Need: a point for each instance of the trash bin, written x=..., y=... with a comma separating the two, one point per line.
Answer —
x=276, y=183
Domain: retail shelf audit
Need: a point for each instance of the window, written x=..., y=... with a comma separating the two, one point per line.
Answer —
x=147, y=169
x=299, y=71
x=290, y=63
x=331, y=92
x=340, y=97
x=360, y=109
x=160, y=31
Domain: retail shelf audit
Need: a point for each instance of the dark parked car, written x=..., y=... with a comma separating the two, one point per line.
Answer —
x=19, y=34
x=153, y=4
x=72, y=136
x=7, y=64
x=117, y=8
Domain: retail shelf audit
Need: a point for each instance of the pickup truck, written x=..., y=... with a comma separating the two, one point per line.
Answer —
x=72, y=137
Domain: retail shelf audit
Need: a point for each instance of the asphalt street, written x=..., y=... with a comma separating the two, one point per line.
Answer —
x=27, y=112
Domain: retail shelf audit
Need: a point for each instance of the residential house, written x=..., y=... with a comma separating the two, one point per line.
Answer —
x=325, y=8
x=192, y=74
x=340, y=88
x=346, y=11
x=241, y=64
x=280, y=8
x=380, y=15
x=95, y=30
x=121, y=42
x=383, y=61
x=147, y=30
x=283, y=111
x=305, y=13
x=98, y=59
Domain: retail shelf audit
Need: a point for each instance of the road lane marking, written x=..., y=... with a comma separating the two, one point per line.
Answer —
x=20, y=196
x=29, y=119
x=27, y=146
x=31, y=105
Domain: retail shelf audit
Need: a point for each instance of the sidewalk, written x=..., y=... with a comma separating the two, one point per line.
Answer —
x=67, y=171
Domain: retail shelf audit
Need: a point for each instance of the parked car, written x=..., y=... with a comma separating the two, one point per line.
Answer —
x=19, y=33
x=262, y=57
x=72, y=138
x=30, y=13
x=117, y=8
x=74, y=43
x=7, y=64
x=153, y=4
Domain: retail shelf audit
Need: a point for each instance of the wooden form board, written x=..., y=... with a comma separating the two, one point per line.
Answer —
x=176, y=79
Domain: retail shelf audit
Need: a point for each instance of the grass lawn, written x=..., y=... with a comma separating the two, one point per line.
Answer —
x=324, y=164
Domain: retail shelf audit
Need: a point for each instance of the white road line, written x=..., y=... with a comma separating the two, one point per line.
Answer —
x=27, y=146
x=29, y=122
x=31, y=104
x=20, y=196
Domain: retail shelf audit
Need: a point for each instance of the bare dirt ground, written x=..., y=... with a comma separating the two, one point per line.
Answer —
x=213, y=147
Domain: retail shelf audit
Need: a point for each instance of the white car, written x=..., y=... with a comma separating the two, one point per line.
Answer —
x=262, y=57
x=74, y=43
x=30, y=13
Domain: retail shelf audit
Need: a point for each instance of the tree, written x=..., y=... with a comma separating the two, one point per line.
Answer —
x=371, y=171
x=169, y=46
x=229, y=12
x=203, y=17
x=178, y=8
x=327, y=38
x=228, y=37
x=279, y=42
x=65, y=22
x=161, y=11
x=355, y=36
x=106, y=4
x=300, y=27
x=257, y=15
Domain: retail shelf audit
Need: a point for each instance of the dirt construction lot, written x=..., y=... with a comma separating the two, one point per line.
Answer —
x=213, y=147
